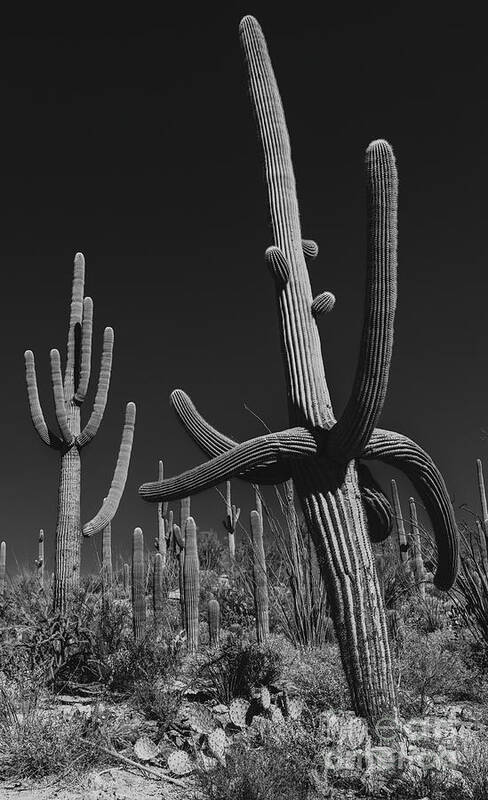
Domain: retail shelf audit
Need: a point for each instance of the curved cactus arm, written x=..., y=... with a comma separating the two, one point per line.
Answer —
x=58, y=393
x=37, y=416
x=378, y=508
x=273, y=447
x=86, y=349
x=111, y=502
x=75, y=318
x=354, y=428
x=96, y=416
x=407, y=456
x=213, y=443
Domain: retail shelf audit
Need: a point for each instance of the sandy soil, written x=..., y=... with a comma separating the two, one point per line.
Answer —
x=106, y=784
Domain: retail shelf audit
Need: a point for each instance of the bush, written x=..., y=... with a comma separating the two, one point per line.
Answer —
x=287, y=765
x=142, y=661
x=429, y=665
x=318, y=678
x=238, y=668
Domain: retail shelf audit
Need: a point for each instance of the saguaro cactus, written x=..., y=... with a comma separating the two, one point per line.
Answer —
x=417, y=564
x=260, y=578
x=213, y=611
x=191, y=585
x=69, y=394
x=138, y=586
x=126, y=578
x=107, y=571
x=400, y=525
x=158, y=593
x=230, y=522
x=3, y=567
x=179, y=543
x=319, y=453
x=40, y=559
x=162, y=523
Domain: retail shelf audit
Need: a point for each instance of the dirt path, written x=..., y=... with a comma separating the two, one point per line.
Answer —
x=110, y=784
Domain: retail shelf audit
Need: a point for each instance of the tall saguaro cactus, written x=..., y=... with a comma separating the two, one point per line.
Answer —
x=40, y=559
x=69, y=394
x=3, y=567
x=191, y=585
x=321, y=454
x=138, y=586
x=260, y=578
x=230, y=522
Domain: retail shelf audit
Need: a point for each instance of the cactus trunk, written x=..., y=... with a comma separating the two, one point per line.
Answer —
x=334, y=514
x=138, y=586
x=126, y=578
x=107, y=571
x=68, y=526
x=191, y=584
x=3, y=567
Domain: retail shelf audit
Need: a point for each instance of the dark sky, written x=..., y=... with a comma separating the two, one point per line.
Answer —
x=132, y=140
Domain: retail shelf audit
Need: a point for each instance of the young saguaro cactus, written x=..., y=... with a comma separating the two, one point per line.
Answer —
x=400, y=525
x=69, y=394
x=321, y=454
x=179, y=544
x=191, y=585
x=260, y=578
x=138, y=586
x=3, y=567
x=158, y=593
x=107, y=571
x=230, y=522
x=417, y=565
x=40, y=559
x=213, y=614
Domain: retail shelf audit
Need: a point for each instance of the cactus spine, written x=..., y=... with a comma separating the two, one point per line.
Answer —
x=69, y=394
x=3, y=567
x=191, y=585
x=138, y=586
x=417, y=566
x=317, y=451
x=260, y=578
x=230, y=522
x=40, y=559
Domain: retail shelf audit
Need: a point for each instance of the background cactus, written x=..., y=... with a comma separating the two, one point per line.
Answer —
x=417, y=562
x=126, y=578
x=319, y=452
x=40, y=559
x=179, y=544
x=400, y=525
x=158, y=593
x=230, y=522
x=138, y=586
x=213, y=611
x=69, y=394
x=191, y=585
x=3, y=567
x=107, y=572
x=260, y=578
x=162, y=511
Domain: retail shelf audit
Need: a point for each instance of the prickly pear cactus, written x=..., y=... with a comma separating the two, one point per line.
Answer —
x=237, y=712
x=198, y=717
x=265, y=697
x=294, y=708
x=276, y=715
x=217, y=743
x=180, y=763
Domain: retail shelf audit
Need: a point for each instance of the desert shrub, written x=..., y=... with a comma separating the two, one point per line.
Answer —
x=35, y=743
x=286, y=764
x=317, y=676
x=238, y=668
x=155, y=698
x=431, y=664
x=236, y=603
x=210, y=551
x=142, y=661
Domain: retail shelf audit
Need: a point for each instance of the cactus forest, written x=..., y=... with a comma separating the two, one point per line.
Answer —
x=302, y=614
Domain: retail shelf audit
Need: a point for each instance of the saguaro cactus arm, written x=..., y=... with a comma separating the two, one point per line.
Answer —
x=86, y=348
x=213, y=443
x=294, y=443
x=59, y=401
x=111, y=502
x=37, y=416
x=75, y=319
x=96, y=416
x=404, y=454
x=353, y=430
